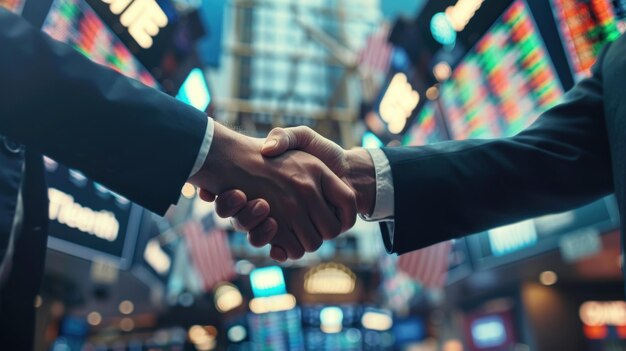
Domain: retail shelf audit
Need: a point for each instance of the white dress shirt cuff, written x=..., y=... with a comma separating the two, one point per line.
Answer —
x=384, y=207
x=204, y=147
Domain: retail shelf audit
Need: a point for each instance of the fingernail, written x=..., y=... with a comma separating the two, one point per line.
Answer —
x=270, y=144
x=258, y=210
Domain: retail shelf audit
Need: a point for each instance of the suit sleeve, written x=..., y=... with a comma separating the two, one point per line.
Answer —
x=457, y=188
x=135, y=140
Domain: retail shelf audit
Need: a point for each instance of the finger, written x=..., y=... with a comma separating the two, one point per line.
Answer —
x=324, y=218
x=279, y=140
x=252, y=214
x=263, y=234
x=342, y=197
x=207, y=196
x=277, y=253
x=287, y=240
x=308, y=235
x=230, y=203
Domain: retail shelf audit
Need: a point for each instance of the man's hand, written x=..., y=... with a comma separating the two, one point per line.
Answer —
x=354, y=166
x=308, y=202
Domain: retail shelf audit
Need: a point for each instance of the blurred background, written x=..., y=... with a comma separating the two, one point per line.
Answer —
x=363, y=73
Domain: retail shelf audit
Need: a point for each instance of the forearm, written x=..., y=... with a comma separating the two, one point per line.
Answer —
x=134, y=139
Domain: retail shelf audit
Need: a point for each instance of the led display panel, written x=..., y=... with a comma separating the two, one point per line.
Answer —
x=426, y=127
x=75, y=23
x=504, y=82
x=585, y=27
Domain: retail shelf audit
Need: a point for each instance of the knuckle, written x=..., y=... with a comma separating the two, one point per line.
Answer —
x=277, y=132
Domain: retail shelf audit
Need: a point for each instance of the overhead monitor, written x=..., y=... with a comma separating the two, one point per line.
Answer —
x=585, y=28
x=76, y=23
x=426, y=128
x=504, y=82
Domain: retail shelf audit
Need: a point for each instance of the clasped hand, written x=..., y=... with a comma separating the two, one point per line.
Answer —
x=298, y=199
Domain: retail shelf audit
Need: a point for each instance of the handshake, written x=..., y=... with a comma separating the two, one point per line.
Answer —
x=292, y=190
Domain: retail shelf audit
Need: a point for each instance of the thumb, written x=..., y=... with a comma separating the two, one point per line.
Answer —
x=280, y=140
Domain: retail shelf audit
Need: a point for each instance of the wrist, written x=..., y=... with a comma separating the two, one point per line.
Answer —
x=362, y=177
x=224, y=157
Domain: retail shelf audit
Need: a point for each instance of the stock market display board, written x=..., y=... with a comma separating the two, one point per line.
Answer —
x=75, y=23
x=585, y=27
x=426, y=128
x=504, y=82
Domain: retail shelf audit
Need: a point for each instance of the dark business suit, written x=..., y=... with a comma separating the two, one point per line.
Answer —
x=573, y=154
x=135, y=140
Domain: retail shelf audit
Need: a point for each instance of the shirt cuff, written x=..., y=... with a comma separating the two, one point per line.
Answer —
x=384, y=207
x=204, y=147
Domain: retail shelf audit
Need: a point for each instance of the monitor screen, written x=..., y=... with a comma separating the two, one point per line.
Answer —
x=585, y=27
x=490, y=331
x=75, y=23
x=504, y=82
x=426, y=128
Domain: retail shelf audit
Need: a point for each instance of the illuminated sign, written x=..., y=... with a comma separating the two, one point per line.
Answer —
x=227, y=297
x=331, y=319
x=329, y=278
x=156, y=257
x=603, y=313
x=64, y=210
x=276, y=303
x=488, y=332
x=507, y=239
x=194, y=91
x=462, y=12
x=142, y=18
x=268, y=281
x=398, y=103
x=89, y=221
x=379, y=320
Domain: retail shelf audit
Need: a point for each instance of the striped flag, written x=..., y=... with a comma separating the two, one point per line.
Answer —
x=376, y=55
x=210, y=253
x=428, y=266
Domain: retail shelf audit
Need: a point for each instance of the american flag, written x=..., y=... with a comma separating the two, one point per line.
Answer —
x=428, y=266
x=376, y=54
x=210, y=253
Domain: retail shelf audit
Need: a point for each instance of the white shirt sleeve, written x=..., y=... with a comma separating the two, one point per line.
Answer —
x=384, y=207
x=204, y=147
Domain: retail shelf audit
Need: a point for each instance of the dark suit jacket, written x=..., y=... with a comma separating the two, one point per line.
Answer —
x=574, y=153
x=135, y=140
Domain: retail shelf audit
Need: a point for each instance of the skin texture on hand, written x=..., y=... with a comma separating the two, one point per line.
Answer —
x=354, y=166
x=306, y=200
